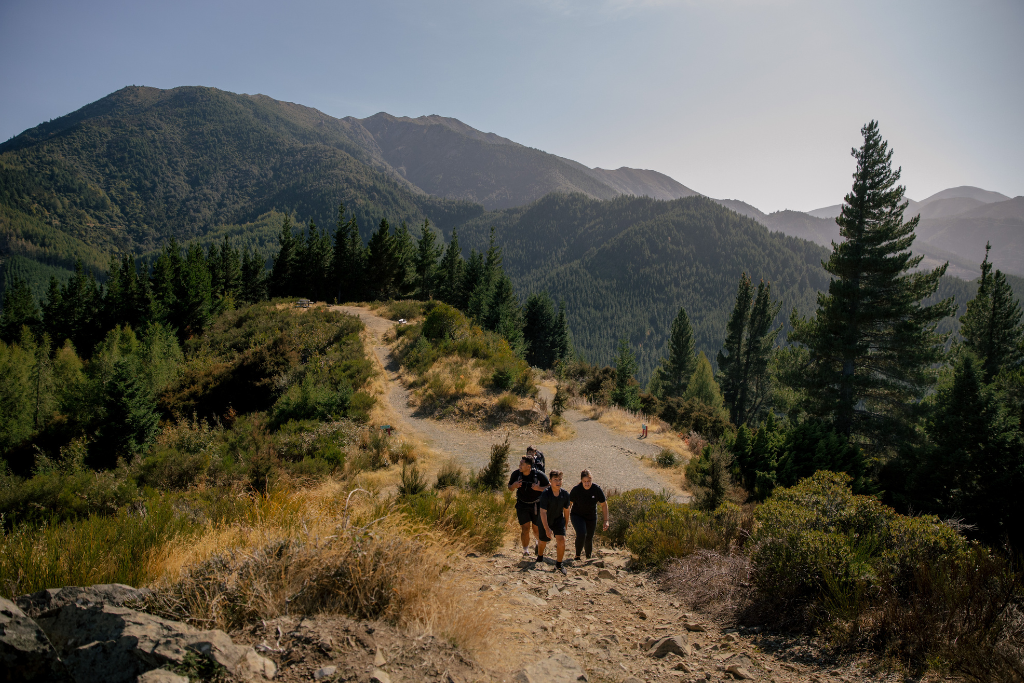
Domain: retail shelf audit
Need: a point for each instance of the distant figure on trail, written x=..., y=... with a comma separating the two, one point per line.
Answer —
x=527, y=482
x=643, y=431
x=554, y=517
x=583, y=501
x=538, y=457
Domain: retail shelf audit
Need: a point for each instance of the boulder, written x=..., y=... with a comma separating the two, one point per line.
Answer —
x=102, y=643
x=52, y=599
x=739, y=672
x=25, y=652
x=678, y=644
x=691, y=626
x=606, y=574
x=558, y=668
x=161, y=676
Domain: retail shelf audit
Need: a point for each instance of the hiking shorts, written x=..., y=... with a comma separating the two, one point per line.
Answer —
x=557, y=528
x=527, y=512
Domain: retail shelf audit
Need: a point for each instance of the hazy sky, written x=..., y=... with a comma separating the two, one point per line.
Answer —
x=759, y=100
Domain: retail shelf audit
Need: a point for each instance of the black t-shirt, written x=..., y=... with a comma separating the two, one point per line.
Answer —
x=525, y=493
x=555, y=505
x=584, y=501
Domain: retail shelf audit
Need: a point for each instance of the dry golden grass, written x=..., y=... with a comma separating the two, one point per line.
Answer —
x=659, y=432
x=307, y=553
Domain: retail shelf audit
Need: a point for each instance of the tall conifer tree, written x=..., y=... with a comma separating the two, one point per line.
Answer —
x=19, y=308
x=427, y=254
x=280, y=280
x=677, y=369
x=452, y=265
x=872, y=343
x=991, y=326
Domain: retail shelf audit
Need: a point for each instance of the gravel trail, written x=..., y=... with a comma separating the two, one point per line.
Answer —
x=613, y=458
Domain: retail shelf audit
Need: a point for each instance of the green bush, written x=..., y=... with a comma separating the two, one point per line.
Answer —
x=693, y=415
x=666, y=458
x=710, y=475
x=412, y=482
x=493, y=477
x=671, y=530
x=627, y=508
x=444, y=322
x=819, y=543
x=407, y=309
x=58, y=495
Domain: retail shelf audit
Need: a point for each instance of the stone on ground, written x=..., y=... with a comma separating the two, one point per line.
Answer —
x=677, y=644
x=558, y=668
x=25, y=652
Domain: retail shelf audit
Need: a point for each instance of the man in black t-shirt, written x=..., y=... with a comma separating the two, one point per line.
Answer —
x=584, y=499
x=528, y=483
x=554, y=516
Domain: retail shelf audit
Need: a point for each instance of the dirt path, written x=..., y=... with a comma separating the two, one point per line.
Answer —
x=613, y=458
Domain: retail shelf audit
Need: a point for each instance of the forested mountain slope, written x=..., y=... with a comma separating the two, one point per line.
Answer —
x=624, y=267
x=142, y=165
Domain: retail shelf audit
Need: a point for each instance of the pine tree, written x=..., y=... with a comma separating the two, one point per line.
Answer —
x=505, y=315
x=730, y=358
x=452, y=265
x=973, y=468
x=626, y=392
x=166, y=273
x=872, y=344
x=382, y=263
x=193, y=311
x=282, y=272
x=540, y=328
x=427, y=270
x=253, y=285
x=991, y=326
x=405, y=266
x=675, y=373
x=229, y=267
x=19, y=308
x=562, y=345
x=752, y=398
x=347, y=259
x=702, y=386
x=131, y=419
x=475, y=288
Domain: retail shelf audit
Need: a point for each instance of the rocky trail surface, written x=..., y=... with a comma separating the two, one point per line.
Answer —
x=615, y=459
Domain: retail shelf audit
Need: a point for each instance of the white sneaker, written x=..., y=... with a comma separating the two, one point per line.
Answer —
x=527, y=554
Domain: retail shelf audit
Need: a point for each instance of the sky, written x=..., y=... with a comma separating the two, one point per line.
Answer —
x=758, y=100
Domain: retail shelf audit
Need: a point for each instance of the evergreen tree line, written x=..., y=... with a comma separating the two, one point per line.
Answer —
x=181, y=289
x=396, y=264
x=869, y=385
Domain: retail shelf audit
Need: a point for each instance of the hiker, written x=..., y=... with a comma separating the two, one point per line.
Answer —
x=643, y=432
x=527, y=482
x=538, y=457
x=583, y=501
x=554, y=517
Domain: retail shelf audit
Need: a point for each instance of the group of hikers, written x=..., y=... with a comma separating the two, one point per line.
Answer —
x=542, y=503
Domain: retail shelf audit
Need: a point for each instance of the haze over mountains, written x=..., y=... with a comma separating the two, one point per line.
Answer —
x=624, y=247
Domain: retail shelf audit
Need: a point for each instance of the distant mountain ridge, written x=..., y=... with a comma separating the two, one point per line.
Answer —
x=447, y=158
x=956, y=223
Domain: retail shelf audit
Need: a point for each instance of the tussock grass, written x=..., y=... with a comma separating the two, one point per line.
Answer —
x=628, y=422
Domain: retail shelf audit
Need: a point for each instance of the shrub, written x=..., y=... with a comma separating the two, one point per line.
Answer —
x=693, y=415
x=451, y=475
x=666, y=458
x=408, y=309
x=507, y=403
x=60, y=495
x=710, y=476
x=671, y=530
x=479, y=518
x=494, y=475
x=627, y=508
x=444, y=322
x=412, y=482
x=818, y=541
x=558, y=403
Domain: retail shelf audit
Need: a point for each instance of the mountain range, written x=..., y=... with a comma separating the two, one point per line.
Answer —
x=625, y=248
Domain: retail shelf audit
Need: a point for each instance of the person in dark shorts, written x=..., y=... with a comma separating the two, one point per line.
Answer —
x=538, y=457
x=554, y=517
x=583, y=500
x=528, y=483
